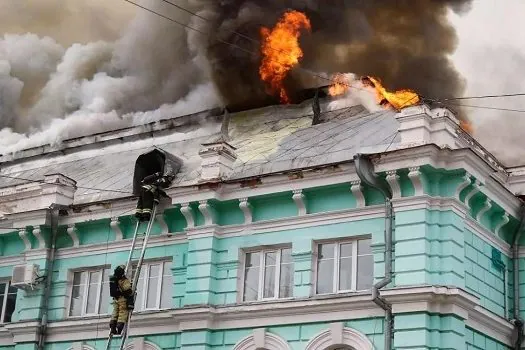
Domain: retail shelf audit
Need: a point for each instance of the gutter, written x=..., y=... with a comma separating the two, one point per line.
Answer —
x=518, y=322
x=365, y=171
x=53, y=213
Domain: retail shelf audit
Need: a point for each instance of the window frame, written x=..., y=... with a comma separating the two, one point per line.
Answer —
x=146, y=269
x=5, y=293
x=89, y=271
x=263, y=250
x=337, y=264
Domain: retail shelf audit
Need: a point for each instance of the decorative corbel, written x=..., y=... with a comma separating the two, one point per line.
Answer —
x=415, y=176
x=467, y=180
x=357, y=191
x=504, y=220
x=484, y=210
x=72, y=232
x=475, y=190
x=246, y=208
x=206, y=211
x=23, y=235
x=37, y=232
x=393, y=180
x=164, y=229
x=299, y=199
x=114, y=224
x=185, y=209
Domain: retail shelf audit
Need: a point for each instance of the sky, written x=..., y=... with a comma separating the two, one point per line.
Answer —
x=490, y=53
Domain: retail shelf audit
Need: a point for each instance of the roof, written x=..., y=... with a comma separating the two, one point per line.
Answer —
x=267, y=140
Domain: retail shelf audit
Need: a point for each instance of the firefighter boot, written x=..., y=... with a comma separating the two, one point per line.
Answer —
x=113, y=326
x=120, y=327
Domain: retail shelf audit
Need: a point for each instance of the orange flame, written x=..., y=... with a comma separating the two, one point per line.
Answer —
x=466, y=126
x=340, y=85
x=398, y=99
x=281, y=51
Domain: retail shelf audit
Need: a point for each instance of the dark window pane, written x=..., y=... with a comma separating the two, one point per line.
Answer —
x=93, y=292
x=10, y=307
x=365, y=272
x=286, y=281
x=325, y=276
x=167, y=285
x=326, y=251
x=269, y=281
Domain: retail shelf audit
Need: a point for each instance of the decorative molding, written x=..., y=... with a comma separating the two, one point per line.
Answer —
x=246, y=208
x=299, y=199
x=140, y=344
x=474, y=191
x=393, y=180
x=164, y=229
x=467, y=180
x=486, y=207
x=504, y=220
x=357, y=191
x=37, y=232
x=338, y=335
x=415, y=176
x=23, y=235
x=260, y=339
x=186, y=210
x=206, y=211
x=487, y=235
x=114, y=224
x=72, y=232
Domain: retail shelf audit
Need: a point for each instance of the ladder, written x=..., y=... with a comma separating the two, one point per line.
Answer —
x=136, y=275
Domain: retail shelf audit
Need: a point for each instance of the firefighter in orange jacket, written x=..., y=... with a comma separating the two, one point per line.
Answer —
x=123, y=300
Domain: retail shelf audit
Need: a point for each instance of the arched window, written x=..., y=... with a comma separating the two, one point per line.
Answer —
x=141, y=344
x=262, y=340
x=338, y=337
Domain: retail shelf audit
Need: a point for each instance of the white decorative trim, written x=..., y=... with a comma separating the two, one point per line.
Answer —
x=486, y=207
x=260, y=339
x=164, y=229
x=37, y=232
x=487, y=235
x=393, y=180
x=337, y=335
x=205, y=209
x=467, y=180
x=81, y=346
x=141, y=344
x=186, y=210
x=23, y=235
x=114, y=224
x=474, y=191
x=504, y=220
x=246, y=208
x=299, y=199
x=72, y=232
x=357, y=191
x=415, y=176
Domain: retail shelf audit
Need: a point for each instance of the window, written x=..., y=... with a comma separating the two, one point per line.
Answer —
x=344, y=266
x=268, y=274
x=90, y=292
x=7, y=301
x=154, y=287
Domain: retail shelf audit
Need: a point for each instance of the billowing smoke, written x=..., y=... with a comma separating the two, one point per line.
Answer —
x=149, y=68
x=405, y=43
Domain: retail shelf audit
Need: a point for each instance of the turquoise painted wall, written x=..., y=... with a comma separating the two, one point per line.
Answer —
x=478, y=341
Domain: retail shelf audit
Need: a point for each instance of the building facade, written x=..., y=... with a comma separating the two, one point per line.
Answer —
x=272, y=237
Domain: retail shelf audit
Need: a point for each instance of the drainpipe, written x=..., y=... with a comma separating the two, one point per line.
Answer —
x=42, y=327
x=518, y=322
x=365, y=171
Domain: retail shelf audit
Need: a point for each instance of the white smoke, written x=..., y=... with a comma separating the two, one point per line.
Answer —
x=49, y=93
x=356, y=94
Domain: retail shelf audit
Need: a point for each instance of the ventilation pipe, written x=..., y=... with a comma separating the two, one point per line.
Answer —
x=365, y=171
x=518, y=322
x=53, y=213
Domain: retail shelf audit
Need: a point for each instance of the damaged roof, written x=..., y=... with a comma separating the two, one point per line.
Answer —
x=267, y=140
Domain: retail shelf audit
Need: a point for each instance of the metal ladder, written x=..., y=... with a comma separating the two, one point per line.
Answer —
x=136, y=275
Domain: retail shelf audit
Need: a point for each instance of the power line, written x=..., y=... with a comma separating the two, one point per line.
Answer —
x=482, y=97
x=81, y=187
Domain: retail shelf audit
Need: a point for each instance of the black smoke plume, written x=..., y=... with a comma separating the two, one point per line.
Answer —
x=405, y=43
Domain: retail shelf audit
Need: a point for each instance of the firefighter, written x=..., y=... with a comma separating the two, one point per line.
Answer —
x=123, y=301
x=150, y=191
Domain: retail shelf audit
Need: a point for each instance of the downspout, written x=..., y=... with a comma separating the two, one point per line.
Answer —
x=518, y=322
x=42, y=327
x=365, y=171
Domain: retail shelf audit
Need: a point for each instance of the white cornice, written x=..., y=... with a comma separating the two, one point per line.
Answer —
x=430, y=299
x=490, y=237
